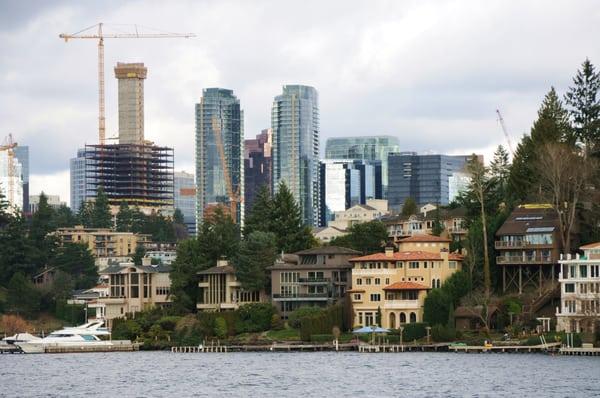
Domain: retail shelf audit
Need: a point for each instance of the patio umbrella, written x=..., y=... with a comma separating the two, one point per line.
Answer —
x=370, y=329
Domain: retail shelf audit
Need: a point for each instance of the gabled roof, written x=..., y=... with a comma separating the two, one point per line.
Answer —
x=406, y=286
x=456, y=256
x=424, y=238
x=117, y=268
x=595, y=245
x=400, y=256
x=327, y=250
x=528, y=217
x=222, y=269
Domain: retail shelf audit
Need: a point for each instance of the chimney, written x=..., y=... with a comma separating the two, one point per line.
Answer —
x=389, y=251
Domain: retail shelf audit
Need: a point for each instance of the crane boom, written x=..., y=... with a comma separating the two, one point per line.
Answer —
x=508, y=141
x=234, y=198
x=100, y=36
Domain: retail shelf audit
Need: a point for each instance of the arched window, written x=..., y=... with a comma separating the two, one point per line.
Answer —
x=433, y=283
x=413, y=317
x=439, y=283
x=402, y=317
x=392, y=320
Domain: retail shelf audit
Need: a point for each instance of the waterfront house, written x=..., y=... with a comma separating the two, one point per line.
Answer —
x=327, y=234
x=314, y=277
x=579, y=280
x=220, y=289
x=393, y=285
x=133, y=288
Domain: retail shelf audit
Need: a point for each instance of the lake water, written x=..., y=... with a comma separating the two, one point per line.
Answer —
x=321, y=374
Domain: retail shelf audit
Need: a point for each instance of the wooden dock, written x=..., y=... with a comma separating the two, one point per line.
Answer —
x=403, y=347
x=9, y=349
x=117, y=346
x=276, y=347
x=582, y=351
x=550, y=347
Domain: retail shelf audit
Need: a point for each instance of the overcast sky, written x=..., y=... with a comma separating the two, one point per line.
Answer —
x=430, y=73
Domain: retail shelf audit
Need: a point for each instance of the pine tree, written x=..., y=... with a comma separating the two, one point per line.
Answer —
x=42, y=224
x=287, y=224
x=409, y=208
x=583, y=99
x=76, y=260
x=500, y=173
x=4, y=214
x=257, y=252
x=84, y=215
x=64, y=217
x=259, y=216
x=15, y=250
x=101, y=217
x=124, y=218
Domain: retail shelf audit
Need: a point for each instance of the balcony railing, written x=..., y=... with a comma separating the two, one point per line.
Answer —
x=301, y=296
x=401, y=304
x=524, y=260
x=500, y=244
x=457, y=230
x=315, y=281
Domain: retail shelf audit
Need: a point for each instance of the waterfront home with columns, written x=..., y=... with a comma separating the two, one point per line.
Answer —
x=220, y=289
x=394, y=284
x=579, y=280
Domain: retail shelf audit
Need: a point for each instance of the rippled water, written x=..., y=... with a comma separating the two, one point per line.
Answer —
x=160, y=374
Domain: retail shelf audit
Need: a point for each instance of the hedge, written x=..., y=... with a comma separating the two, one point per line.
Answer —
x=322, y=323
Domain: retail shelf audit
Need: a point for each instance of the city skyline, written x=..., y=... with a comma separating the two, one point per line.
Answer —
x=443, y=100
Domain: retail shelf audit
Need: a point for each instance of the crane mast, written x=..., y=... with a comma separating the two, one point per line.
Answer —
x=508, y=141
x=234, y=197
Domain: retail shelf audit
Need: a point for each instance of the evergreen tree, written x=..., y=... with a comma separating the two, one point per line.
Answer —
x=124, y=219
x=4, y=214
x=184, y=279
x=138, y=255
x=499, y=173
x=259, y=216
x=287, y=224
x=76, y=260
x=409, y=208
x=64, y=217
x=257, y=252
x=178, y=217
x=583, y=99
x=42, y=224
x=22, y=297
x=15, y=250
x=101, y=217
x=84, y=215
x=219, y=237
x=367, y=238
x=438, y=226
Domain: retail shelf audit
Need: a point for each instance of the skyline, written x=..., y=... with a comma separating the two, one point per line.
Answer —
x=465, y=60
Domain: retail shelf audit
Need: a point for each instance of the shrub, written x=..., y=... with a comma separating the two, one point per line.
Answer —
x=126, y=329
x=414, y=331
x=441, y=333
x=437, y=307
x=276, y=322
x=322, y=338
x=294, y=319
x=221, y=327
x=322, y=323
x=168, y=322
x=255, y=317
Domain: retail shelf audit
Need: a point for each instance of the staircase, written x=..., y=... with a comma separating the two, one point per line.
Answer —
x=535, y=305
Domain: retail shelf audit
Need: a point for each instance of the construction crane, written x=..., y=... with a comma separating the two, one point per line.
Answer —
x=100, y=35
x=508, y=141
x=9, y=146
x=234, y=197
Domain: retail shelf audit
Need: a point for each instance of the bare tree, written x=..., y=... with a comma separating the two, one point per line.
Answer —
x=565, y=178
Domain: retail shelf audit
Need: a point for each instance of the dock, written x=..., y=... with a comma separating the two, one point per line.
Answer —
x=581, y=351
x=276, y=347
x=9, y=349
x=117, y=346
x=550, y=347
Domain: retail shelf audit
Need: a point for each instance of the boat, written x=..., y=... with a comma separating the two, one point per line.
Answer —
x=77, y=338
x=18, y=338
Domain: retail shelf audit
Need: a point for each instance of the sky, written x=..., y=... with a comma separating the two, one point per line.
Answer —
x=430, y=73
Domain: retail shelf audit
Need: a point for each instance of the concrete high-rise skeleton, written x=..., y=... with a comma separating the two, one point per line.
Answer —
x=131, y=102
x=295, y=125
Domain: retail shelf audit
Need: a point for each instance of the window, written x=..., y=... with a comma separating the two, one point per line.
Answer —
x=583, y=271
x=387, y=281
x=452, y=264
x=163, y=290
x=357, y=297
x=399, y=264
x=359, y=281
x=425, y=264
x=377, y=281
x=289, y=277
x=569, y=288
x=375, y=297
x=368, y=281
x=413, y=265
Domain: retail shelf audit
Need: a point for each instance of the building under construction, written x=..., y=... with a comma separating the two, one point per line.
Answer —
x=140, y=174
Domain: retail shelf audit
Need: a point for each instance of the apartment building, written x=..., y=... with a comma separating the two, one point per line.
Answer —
x=133, y=288
x=220, y=290
x=393, y=285
x=103, y=242
x=579, y=280
x=314, y=277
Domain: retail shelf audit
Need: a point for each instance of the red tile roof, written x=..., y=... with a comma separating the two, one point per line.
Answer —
x=405, y=286
x=400, y=256
x=456, y=256
x=424, y=238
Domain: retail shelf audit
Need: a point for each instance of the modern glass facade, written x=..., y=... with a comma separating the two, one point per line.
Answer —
x=22, y=154
x=366, y=148
x=425, y=178
x=78, y=187
x=345, y=183
x=295, y=125
x=219, y=152
x=185, y=199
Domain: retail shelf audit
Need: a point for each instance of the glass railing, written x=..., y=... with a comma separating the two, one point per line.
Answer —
x=314, y=280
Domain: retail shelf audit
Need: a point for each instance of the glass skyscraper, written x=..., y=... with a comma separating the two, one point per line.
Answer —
x=219, y=153
x=79, y=188
x=364, y=148
x=295, y=126
x=185, y=199
x=425, y=178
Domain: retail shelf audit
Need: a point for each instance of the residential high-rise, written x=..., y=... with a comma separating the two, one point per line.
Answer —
x=78, y=189
x=11, y=179
x=295, y=125
x=257, y=166
x=185, y=199
x=366, y=148
x=219, y=153
x=346, y=183
x=425, y=178
x=22, y=154
x=131, y=102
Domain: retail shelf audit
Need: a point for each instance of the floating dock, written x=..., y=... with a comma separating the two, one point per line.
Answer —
x=584, y=351
x=550, y=347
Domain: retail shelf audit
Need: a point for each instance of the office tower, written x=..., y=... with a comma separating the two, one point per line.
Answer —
x=367, y=148
x=295, y=125
x=257, y=166
x=131, y=102
x=345, y=183
x=219, y=154
x=22, y=154
x=425, y=178
x=185, y=199
x=78, y=188
x=53, y=201
x=11, y=179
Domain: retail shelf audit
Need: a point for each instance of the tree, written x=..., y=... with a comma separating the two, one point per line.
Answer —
x=584, y=102
x=367, y=238
x=259, y=216
x=124, y=219
x=64, y=217
x=479, y=186
x=178, y=217
x=4, y=214
x=101, y=217
x=257, y=252
x=183, y=275
x=138, y=255
x=84, y=215
x=42, y=224
x=500, y=173
x=565, y=178
x=76, y=260
x=438, y=226
x=22, y=296
x=15, y=250
x=436, y=307
x=286, y=223
x=219, y=237
x=409, y=207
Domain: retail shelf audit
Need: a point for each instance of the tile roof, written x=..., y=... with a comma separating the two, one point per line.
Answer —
x=456, y=256
x=424, y=238
x=327, y=250
x=400, y=256
x=406, y=286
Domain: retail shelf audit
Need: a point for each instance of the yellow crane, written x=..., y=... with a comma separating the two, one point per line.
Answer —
x=87, y=33
x=9, y=146
x=234, y=196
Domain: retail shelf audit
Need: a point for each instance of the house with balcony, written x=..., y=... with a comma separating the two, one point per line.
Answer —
x=528, y=246
x=314, y=277
x=579, y=279
x=221, y=291
x=394, y=284
x=453, y=221
x=133, y=288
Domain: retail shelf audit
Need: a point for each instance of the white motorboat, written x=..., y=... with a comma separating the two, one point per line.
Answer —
x=85, y=335
x=19, y=338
